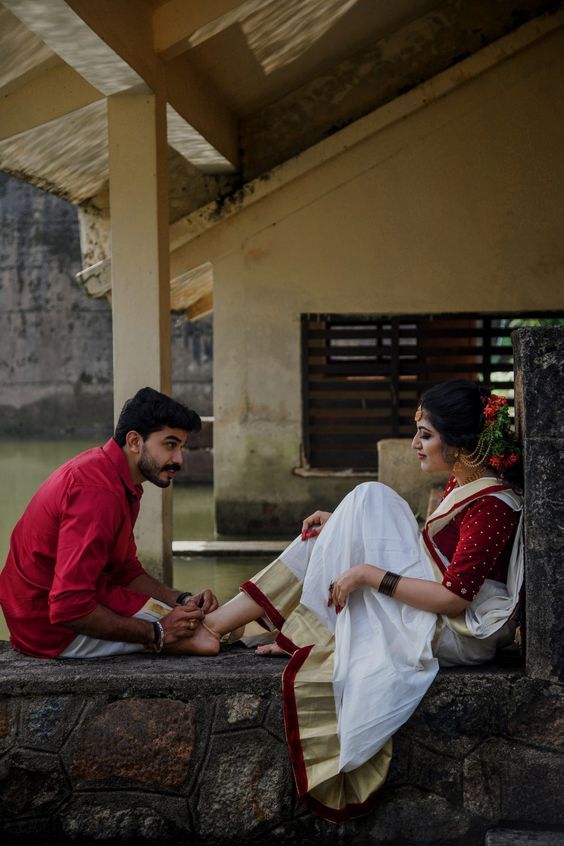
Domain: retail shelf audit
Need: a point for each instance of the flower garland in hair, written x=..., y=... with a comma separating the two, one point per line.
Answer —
x=497, y=436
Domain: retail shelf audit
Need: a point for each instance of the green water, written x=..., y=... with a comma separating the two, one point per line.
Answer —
x=26, y=464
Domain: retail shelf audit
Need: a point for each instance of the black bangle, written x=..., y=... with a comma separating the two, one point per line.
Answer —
x=182, y=596
x=389, y=583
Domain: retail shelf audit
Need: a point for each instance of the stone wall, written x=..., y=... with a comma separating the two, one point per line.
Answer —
x=55, y=342
x=175, y=750
x=539, y=380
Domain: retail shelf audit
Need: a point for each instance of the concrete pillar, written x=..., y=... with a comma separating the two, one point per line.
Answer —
x=539, y=402
x=140, y=284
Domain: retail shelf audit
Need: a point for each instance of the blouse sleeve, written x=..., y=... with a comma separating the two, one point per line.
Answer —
x=486, y=527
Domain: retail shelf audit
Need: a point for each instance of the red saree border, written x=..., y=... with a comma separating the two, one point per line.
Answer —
x=271, y=612
x=291, y=722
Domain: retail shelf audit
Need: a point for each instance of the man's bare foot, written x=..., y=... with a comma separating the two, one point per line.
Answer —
x=271, y=649
x=204, y=641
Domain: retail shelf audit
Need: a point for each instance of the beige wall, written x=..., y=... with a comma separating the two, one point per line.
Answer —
x=457, y=207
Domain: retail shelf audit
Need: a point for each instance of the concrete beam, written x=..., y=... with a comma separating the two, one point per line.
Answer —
x=194, y=98
x=56, y=92
x=190, y=94
x=70, y=36
x=140, y=284
x=175, y=23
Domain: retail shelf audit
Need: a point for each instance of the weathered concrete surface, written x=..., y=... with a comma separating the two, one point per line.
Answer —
x=539, y=370
x=55, y=342
x=399, y=468
x=381, y=72
x=141, y=748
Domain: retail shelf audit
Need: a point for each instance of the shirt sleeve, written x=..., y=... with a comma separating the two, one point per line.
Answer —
x=123, y=572
x=87, y=531
x=486, y=527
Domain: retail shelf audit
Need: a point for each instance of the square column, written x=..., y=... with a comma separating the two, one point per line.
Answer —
x=539, y=405
x=141, y=285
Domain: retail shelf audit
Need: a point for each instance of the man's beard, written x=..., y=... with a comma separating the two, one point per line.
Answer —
x=149, y=468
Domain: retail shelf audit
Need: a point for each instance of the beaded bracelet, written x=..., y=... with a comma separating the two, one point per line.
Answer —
x=158, y=636
x=389, y=583
x=182, y=597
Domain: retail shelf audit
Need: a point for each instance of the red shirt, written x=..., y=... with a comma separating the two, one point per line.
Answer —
x=478, y=543
x=72, y=550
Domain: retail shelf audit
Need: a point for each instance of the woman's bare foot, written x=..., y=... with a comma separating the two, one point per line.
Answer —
x=271, y=649
x=204, y=641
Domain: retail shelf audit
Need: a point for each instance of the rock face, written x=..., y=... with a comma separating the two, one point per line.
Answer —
x=143, y=749
x=55, y=342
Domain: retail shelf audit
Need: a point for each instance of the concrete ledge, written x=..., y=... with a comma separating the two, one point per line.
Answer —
x=143, y=749
x=229, y=548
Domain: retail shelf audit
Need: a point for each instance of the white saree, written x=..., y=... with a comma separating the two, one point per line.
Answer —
x=355, y=678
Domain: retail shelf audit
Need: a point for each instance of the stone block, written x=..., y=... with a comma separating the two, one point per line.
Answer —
x=520, y=837
x=539, y=373
x=274, y=720
x=246, y=787
x=135, y=742
x=544, y=491
x=541, y=721
x=240, y=710
x=398, y=774
x=32, y=783
x=544, y=585
x=460, y=711
x=399, y=468
x=8, y=723
x=124, y=817
x=512, y=781
x=413, y=816
x=435, y=772
x=46, y=721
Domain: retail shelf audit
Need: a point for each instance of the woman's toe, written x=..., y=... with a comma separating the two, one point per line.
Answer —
x=270, y=649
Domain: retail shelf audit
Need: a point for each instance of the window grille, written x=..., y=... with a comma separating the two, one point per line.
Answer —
x=362, y=375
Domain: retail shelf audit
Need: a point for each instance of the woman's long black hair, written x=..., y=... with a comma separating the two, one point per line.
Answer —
x=456, y=410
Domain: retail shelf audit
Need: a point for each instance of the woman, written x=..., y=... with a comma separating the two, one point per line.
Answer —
x=369, y=608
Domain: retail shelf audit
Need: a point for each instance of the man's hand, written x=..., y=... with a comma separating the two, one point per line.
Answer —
x=182, y=622
x=204, y=600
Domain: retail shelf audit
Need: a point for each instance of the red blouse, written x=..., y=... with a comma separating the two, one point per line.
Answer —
x=478, y=543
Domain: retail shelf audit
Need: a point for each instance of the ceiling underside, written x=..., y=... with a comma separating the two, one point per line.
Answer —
x=248, y=83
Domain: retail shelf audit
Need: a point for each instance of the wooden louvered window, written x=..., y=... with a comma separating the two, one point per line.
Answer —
x=363, y=375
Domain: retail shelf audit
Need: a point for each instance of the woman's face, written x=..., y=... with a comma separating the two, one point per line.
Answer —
x=429, y=446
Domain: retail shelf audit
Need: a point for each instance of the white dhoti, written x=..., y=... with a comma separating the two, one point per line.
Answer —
x=84, y=646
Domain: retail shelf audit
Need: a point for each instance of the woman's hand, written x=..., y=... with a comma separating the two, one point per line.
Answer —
x=313, y=524
x=344, y=584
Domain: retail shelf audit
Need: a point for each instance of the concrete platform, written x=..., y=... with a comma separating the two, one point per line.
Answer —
x=229, y=548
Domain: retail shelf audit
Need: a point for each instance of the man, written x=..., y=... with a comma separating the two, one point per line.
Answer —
x=72, y=585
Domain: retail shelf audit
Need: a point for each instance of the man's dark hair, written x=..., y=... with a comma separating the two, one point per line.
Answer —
x=150, y=411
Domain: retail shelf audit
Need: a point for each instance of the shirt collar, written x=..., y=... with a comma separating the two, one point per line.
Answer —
x=115, y=453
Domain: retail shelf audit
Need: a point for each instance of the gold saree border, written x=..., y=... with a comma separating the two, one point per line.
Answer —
x=310, y=715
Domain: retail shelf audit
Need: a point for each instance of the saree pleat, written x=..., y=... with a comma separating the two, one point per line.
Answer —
x=321, y=707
